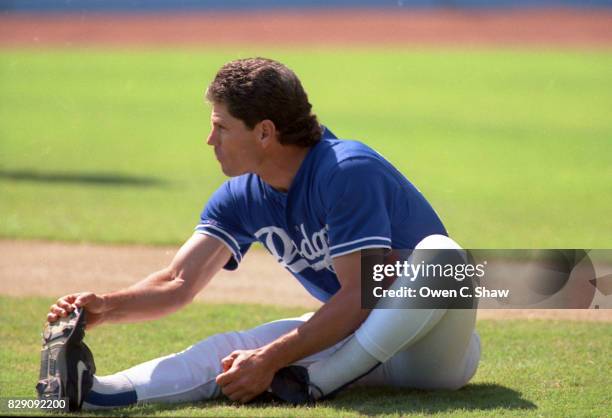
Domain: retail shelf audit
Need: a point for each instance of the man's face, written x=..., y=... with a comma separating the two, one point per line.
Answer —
x=237, y=147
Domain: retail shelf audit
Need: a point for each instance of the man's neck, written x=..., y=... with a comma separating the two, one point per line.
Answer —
x=280, y=168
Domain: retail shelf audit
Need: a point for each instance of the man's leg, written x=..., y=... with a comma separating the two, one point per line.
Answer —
x=187, y=376
x=425, y=348
x=445, y=358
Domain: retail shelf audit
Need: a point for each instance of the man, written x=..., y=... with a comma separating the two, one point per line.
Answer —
x=314, y=202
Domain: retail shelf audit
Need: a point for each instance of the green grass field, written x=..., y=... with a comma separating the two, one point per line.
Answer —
x=513, y=149
x=528, y=368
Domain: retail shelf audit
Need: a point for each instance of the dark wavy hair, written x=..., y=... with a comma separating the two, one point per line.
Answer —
x=255, y=89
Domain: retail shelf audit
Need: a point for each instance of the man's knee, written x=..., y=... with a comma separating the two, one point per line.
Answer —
x=470, y=365
x=437, y=241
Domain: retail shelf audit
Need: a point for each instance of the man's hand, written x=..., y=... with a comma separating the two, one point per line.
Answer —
x=246, y=374
x=92, y=303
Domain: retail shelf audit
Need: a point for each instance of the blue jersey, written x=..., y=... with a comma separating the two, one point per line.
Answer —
x=345, y=197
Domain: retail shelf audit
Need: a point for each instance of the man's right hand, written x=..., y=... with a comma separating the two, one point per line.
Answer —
x=92, y=303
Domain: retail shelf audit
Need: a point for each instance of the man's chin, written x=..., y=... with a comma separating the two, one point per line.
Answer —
x=231, y=173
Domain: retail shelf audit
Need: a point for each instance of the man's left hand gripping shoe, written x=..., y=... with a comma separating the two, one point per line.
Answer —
x=67, y=365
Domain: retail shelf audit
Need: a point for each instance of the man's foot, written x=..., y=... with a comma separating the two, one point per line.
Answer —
x=67, y=365
x=292, y=385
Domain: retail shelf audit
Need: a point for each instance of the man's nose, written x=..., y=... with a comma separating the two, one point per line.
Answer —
x=211, y=140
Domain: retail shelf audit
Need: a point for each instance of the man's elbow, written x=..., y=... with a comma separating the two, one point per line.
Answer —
x=182, y=290
x=184, y=293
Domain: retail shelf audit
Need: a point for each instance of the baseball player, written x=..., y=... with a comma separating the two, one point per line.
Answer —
x=314, y=202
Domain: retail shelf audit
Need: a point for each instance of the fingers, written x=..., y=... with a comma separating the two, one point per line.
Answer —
x=231, y=389
x=229, y=365
x=63, y=306
x=237, y=396
x=69, y=298
x=237, y=393
x=224, y=378
x=51, y=317
x=240, y=380
x=229, y=380
x=83, y=299
x=228, y=361
x=56, y=312
x=226, y=364
x=232, y=355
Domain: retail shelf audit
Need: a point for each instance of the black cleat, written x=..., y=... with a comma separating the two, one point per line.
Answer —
x=292, y=385
x=67, y=365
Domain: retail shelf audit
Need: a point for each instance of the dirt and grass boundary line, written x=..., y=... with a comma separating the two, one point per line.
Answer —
x=52, y=269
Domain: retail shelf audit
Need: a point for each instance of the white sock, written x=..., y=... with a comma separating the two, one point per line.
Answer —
x=343, y=367
x=110, y=392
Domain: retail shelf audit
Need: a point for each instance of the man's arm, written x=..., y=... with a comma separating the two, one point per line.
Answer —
x=335, y=320
x=250, y=372
x=161, y=293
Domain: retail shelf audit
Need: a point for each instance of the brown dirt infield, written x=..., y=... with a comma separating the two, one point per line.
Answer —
x=53, y=269
x=532, y=28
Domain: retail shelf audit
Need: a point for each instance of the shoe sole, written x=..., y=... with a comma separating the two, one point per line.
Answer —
x=56, y=379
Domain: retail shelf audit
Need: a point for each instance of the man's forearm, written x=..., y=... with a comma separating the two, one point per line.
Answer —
x=330, y=324
x=156, y=296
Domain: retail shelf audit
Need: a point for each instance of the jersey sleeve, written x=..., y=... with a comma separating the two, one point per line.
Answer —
x=359, y=200
x=221, y=219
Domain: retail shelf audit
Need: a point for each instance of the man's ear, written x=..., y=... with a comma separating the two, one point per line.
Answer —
x=267, y=132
